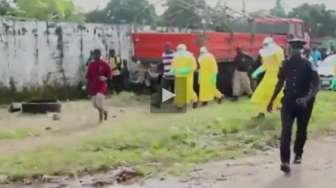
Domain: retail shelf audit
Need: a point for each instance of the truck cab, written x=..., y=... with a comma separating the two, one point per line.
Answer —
x=293, y=28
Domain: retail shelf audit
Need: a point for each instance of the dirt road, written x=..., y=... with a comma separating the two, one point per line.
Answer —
x=259, y=171
x=262, y=171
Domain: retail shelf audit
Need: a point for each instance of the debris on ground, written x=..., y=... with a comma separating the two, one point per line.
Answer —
x=126, y=174
x=50, y=179
x=102, y=182
x=27, y=182
x=15, y=107
x=56, y=117
x=37, y=107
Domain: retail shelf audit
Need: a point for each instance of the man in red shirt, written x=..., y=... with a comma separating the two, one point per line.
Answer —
x=98, y=73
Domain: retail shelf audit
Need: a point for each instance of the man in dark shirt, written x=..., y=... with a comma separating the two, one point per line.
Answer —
x=301, y=83
x=241, y=80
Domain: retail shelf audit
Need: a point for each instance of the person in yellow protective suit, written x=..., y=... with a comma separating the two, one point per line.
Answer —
x=183, y=67
x=272, y=57
x=208, y=73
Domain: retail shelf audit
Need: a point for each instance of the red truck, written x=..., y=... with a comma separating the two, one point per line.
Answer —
x=149, y=46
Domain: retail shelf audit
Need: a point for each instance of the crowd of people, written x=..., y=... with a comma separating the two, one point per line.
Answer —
x=289, y=84
x=182, y=72
x=193, y=80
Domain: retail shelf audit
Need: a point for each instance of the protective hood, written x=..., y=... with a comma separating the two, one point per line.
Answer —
x=269, y=47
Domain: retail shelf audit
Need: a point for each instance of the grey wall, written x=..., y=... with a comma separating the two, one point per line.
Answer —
x=40, y=53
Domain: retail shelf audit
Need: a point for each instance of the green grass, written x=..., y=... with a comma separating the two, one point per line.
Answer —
x=126, y=99
x=18, y=133
x=167, y=143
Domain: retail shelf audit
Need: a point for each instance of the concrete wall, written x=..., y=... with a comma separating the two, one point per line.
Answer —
x=40, y=53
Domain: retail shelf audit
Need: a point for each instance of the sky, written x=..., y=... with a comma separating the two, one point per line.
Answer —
x=251, y=5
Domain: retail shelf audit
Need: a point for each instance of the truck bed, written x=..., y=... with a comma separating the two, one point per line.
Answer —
x=149, y=46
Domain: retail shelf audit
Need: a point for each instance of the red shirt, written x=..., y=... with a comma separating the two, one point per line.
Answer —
x=96, y=69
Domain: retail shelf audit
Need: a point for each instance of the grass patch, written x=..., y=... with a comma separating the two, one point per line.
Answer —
x=169, y=143
x=18, y=134
x=126, y=99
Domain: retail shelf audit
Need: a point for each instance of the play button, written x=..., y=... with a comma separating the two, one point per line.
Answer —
x=167, y=95
x=162, y=98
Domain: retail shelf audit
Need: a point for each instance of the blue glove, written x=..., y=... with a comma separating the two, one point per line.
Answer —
x=257, y=72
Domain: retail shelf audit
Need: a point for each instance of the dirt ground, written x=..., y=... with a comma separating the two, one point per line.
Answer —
x=78, y=120
x=262, y=171
x=259, y=171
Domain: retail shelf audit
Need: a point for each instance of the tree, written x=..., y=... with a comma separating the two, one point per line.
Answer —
x=185, y=13
x=125, y=11
x=49, y=10
x=279, y=9
x=317, y=17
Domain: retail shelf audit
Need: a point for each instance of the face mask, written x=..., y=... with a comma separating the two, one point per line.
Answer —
x=266, y=45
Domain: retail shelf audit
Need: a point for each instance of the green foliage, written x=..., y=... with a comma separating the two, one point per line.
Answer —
x=317, y=17
x=4, y=7
x=278, y=10
x=125, y=11
x=328, y=42
x=188, y=14
x=49, y=10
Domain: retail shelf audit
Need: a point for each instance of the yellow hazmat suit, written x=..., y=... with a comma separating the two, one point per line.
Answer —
x=208, y=77
x=272, y=59
x=183, y=66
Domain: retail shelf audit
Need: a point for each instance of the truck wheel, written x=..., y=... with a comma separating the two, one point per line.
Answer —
x=41, y=107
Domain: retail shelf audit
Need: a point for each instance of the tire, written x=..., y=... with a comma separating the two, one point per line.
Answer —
x=41, y=107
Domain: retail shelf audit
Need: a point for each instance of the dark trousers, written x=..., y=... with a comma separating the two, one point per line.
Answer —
x=116, y=84
x=289, y=113
x=168, y=84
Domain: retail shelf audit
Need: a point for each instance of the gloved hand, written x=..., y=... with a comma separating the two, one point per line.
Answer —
x=257, y=72
x=184, y=71
x=102, y=78
x=214, y=79
x=333, y=84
